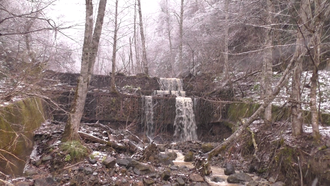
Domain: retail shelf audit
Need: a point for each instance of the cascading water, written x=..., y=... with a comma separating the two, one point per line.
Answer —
x=184, y=123
x=171, y=86
x=149, y=115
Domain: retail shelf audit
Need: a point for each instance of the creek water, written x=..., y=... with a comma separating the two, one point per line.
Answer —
x=216, y=171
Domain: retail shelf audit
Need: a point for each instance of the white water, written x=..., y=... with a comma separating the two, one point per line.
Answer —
x=149, y=115
x=171, y=84
x=184, y=123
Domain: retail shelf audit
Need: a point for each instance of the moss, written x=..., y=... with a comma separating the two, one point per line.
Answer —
x=241, y=110
x=17, y=123
x=206, y=147
x=189, y=157
x=75, y=149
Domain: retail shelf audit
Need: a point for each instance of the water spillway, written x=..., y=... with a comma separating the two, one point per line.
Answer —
x=149, y=115
x=184, y=122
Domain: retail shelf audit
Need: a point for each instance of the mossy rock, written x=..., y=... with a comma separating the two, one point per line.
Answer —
x=189, y=156
x=207, y=147
x=17, y=123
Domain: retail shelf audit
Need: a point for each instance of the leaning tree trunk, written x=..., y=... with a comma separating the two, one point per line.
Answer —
x=90, y=48
x=256, y=114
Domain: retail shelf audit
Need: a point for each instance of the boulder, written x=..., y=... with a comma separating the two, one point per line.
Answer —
x=88, y=170
x=188, y=157
x=109, y=162
x=180, y=181
x=125, y=162
x=165, y=159
x=229, y=169
x=140, y=168
x=239, y=178
x=148, y=181
x=166, y=174
x=196, y=178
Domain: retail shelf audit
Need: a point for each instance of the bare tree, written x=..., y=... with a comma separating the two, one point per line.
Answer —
x=181, y=36
x=90, y=48
x=268, y=61
x=226, y=41
x=315, y=25
x=143, y=40
x=114, y=51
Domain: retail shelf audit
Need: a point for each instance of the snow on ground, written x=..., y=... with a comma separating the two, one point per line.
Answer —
x=284, y=95
x=324, y=131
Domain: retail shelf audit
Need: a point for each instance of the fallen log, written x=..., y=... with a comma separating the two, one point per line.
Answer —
x=115, y=145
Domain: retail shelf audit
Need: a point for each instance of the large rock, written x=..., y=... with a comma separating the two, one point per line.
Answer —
x=109, y=162
x=196, y=178
x=148, y=181
x=140, y=168
x=229, y=169
x=125, y=162
x=166, y=174
x=239, y=178
x=166, y=159
x=189, y=157
x=180, y=181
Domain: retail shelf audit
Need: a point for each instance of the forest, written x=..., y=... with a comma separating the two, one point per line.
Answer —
x=269, y=53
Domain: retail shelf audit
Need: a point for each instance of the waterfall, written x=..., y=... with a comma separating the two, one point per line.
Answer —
x=170, y=86
x=184, y=123
x=149, y=115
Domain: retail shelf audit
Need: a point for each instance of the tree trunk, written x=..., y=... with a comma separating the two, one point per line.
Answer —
x=131, y=69
x=317, y=25
x=114, y=51
x=297, y=120
x=144, y=50
x=137, y=58
x=169, y=36
x=296, y=96
x=268, y=62
x=226, y=41
x=90, y=48
x=181, y=38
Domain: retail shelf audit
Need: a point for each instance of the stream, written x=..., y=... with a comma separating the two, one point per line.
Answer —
x=216, y=171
